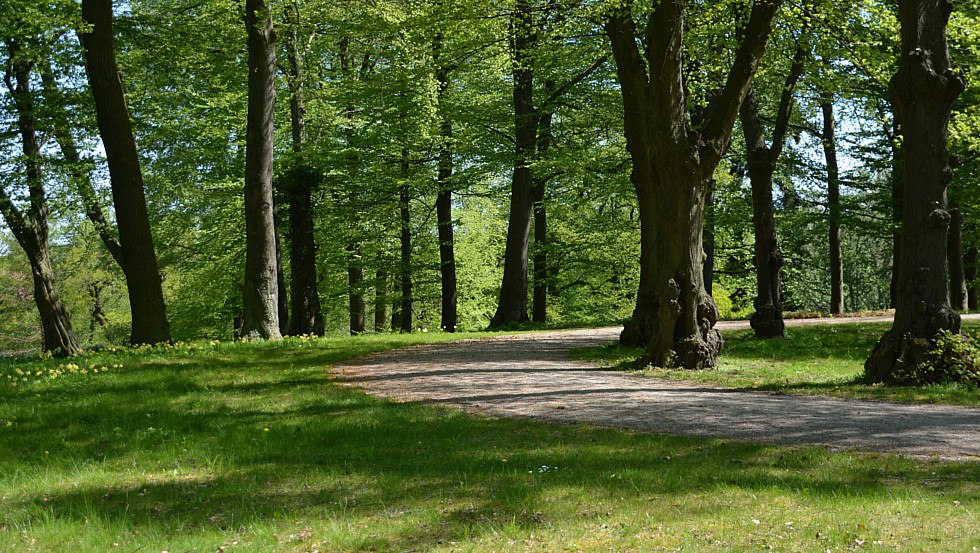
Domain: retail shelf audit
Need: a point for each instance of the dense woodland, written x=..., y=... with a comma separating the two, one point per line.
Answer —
x=184, y=169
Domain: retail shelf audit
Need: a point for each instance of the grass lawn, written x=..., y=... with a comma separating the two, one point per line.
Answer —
x=823, y=360
x=250, y=447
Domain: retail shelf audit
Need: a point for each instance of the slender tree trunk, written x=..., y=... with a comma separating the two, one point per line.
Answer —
x=126, y=178
x=539, y=309
x=58, y=336
x=672, y=168
x=355, y=281
x=833, y=203
x=970, y=270
x=954, y=252
x=307, y=314
x=281, y=293
x=444, y=199
x=512, y=304
x=261, y=293
x=381, y=300
x=708, y=241
x=923, y=99
x=406, y=253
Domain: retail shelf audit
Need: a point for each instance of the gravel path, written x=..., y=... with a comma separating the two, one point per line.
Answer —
x=531, y=376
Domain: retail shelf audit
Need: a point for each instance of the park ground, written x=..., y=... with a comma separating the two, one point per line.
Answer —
x=254, y=447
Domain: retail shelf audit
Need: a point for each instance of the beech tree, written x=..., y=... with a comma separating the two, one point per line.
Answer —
x=674, y=154
x=924, y=90
x=143, y=281
x=31, y=231
x=261, y=290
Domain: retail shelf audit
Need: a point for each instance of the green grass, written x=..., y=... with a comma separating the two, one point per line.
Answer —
x=250, y=447
x=817, y=360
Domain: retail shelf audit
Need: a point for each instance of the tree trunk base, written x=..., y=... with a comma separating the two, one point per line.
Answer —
x=767, y=322
x=899, y=352
x=636, y=332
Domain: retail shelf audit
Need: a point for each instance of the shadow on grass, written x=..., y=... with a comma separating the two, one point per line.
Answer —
x=180, y=445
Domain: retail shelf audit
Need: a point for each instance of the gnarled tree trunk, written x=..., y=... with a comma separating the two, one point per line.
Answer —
x=126, y=178
x=673, y=161
x=923, y=92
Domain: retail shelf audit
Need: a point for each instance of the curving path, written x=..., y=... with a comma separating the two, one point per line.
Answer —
x=531, y=376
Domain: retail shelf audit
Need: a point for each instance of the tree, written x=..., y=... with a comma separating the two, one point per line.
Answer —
x=31, y=231
x=143, y=280
x=924, y=90
x=829, y=140
x=767, y=320
x=261, y=298
x=674, y=155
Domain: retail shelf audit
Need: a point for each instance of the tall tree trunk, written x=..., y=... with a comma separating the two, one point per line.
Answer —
x=970, y=270
x=954, y=253
x=444, y=198
x=58, y=336
x=406, y=252
x=767, y=321
x=673, y=162
x=380, y=300
x=261, y=293
x=708, y=241
x=897, y=194
x=833, y=203
x=539, y=306
x=281, y=293
x=923, y=99
x=512, y=304
x=355, y=295
x=143, y=280
x=307, y=314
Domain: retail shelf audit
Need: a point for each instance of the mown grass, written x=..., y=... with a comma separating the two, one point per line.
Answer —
x=250, y=447
x=818, y=360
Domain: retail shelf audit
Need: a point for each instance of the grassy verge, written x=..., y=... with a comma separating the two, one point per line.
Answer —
x=819, y=360
x=250, y=447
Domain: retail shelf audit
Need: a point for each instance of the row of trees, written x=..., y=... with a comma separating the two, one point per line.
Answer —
x=466, y=112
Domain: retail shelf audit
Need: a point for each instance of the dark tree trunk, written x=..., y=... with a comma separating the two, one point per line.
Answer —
x=406, y=256
x=923, y=99
x=708, y=240
x=444, y=199
x=281, y=294
x=396, y=315
x=126, y=178
x=380, y=300
x=539, y=305
x=512, y=304
x=355, y=294
x=833, y=204
x=98, y=318
x=970, y=270
x=261, y=293
x=954, y=252
x=767, y=321
x=673, y=162
x=307, y=315
x=897, y=194
x=58, y=336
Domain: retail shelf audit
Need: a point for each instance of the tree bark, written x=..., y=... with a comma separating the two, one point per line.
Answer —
x=833, y=203
x=708, y=241
x=355, y=294
x=954, y=253
x=539, y=305
x=512, y=304
x=444, y=198
x=381, y=300
x=897, y=195
x=306, y=313
x=143, y=280
x=923, y=91
x=970, y=271
x=673, y=162
x=406, y=252
x=261, y=293
x=58, y=336
x=767, y=321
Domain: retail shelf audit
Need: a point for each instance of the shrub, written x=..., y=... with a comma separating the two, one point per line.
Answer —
x=950, y=358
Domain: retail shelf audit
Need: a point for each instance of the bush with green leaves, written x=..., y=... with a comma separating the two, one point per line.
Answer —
x=952, y=357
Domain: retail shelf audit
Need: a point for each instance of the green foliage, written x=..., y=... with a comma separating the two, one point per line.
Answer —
x=951, y=358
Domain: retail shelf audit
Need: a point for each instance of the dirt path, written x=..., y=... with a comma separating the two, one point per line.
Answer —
x=531, y=376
